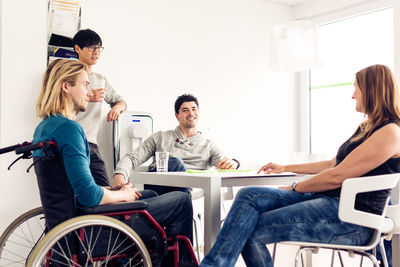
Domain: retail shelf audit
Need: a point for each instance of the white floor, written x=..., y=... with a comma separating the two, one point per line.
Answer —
x=285, y=256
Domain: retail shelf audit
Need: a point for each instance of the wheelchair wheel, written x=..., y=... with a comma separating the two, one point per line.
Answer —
x=90, y=240
x=19, y=238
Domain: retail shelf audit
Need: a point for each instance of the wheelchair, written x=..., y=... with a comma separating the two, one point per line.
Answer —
x=98, y=236
x=20, y=237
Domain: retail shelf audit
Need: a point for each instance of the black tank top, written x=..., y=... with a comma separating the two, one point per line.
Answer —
x=370, y=201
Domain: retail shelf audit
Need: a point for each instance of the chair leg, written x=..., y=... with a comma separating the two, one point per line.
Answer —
x=296, y=260
x=383, y=252
x=299, y=254
x=373, y=259
x=274, y=252
x=340, y=259
x=333, y=258
x=302, y=260
x=369, y=256
x=197, y=239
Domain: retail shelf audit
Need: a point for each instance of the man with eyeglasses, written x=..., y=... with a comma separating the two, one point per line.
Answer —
x=88, y=46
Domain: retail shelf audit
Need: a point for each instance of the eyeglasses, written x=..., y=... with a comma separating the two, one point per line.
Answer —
x=94, y=48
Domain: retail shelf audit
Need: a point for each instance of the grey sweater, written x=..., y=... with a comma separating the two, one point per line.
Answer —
x=197, y=152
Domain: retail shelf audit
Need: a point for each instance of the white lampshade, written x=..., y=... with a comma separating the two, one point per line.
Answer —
x=294, y=46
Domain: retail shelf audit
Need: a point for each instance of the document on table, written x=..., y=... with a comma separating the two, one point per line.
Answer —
x=244, y=172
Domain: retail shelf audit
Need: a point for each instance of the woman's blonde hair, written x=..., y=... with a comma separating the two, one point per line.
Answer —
x=52, y=100
x=380, y=98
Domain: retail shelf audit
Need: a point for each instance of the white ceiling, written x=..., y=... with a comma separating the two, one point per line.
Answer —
x=291, y=2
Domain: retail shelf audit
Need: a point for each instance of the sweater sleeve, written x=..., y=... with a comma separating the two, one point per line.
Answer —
x=111, y=96
x=215, y=154
x=73, y=147
x=137, y=157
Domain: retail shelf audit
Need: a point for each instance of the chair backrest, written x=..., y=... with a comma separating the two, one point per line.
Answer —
x=393, y=212
x=56, y=194
x=384, y=223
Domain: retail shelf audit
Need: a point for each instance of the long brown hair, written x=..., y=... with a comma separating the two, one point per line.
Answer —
x=51, y=99
x=380, y=98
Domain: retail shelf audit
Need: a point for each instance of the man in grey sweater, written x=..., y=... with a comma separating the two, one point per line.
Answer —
x=88, y=46
x=187, y=147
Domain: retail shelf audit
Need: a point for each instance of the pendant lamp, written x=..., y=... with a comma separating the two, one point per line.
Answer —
x=294, y=46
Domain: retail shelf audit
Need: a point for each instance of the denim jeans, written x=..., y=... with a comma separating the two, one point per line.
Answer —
x=174, y=212
x=174, y=165
x=388, y=250
x=262, y=215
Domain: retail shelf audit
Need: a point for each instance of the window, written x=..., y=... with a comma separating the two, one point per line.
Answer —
x=346, y=47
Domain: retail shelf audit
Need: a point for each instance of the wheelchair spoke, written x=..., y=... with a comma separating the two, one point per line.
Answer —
x=131, y=260
x=14, y=254
x=68, y=257
x=94, y=240
x=88, y=240
x=20, y=237
x=90, y=244
x=120, y=244
x=60, y=263
x=13, y=261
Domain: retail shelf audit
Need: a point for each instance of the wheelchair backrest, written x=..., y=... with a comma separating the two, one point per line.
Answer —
x=56, y=194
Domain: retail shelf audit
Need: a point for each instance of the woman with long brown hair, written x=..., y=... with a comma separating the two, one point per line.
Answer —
x=308, y=210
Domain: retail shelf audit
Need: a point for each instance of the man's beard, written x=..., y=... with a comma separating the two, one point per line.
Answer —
x=79, y=108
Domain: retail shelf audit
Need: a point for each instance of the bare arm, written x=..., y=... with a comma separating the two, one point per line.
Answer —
x=115, y=111
x=377, y=149
x=304, y=168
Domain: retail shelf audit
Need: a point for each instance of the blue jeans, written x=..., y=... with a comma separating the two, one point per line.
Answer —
x=174, y=165
x=262, y=215
x=388, y=250
x=174, y=212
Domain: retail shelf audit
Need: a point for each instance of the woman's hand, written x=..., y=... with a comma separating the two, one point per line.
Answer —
x=272, y=168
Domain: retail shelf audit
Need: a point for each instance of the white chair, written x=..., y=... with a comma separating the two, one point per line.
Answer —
x=385, y=225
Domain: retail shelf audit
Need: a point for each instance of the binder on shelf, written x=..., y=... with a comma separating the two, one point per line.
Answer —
x=64, y=53
x=52, y=58
x=60, y=40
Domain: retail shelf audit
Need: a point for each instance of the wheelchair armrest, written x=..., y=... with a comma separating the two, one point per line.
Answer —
x=116, y=207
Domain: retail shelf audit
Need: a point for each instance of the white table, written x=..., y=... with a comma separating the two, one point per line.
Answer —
x=211, y=183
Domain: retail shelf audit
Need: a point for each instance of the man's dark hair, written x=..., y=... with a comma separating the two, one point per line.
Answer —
x=184, y=98
x=86, y=38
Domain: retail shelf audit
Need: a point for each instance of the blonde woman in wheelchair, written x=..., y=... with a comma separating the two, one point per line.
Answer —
x=308, y=210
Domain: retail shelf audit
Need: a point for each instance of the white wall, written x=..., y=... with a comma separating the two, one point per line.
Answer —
x=218, y=50
x=22, y=62
x=154, y=51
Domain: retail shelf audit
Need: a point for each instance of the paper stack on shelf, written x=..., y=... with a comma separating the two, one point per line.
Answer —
x=66, y=6
x=64, y=20
x=64, y=17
